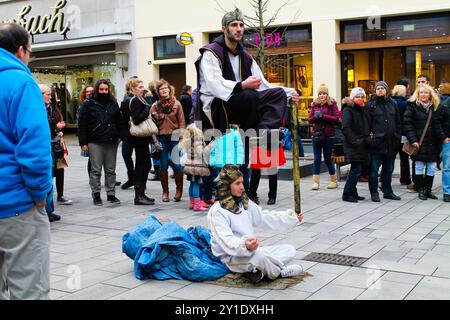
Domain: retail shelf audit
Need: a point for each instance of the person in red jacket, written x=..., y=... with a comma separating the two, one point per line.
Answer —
x=324, y=116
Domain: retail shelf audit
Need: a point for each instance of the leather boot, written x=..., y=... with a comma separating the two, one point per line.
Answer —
x=419, y=183
x=139, y=199
x=428, y=183
x=316, y=182
x=333, y=182
x=164, y=177
x=179, y=176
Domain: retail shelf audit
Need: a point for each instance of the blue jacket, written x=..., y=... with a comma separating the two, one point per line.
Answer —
x=228, y=149
x=25, y=153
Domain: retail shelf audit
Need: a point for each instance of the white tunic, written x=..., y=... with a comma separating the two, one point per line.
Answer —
x=214, y=85
x=229, y=233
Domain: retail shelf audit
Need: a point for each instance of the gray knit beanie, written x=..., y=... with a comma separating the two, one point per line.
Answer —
x=382, y=84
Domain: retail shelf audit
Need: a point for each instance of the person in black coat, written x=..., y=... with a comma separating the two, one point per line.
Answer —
x=135, y=108
x=423, y=101
x=442, y=127
x=100, y=127
x=399, y=96
x=355, y=149
x=383, y=129
x=186, y=102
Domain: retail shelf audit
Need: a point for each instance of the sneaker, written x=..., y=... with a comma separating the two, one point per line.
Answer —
x=271, y=202
x=98, y=200
x=113, y=200
x=446, y=197
x=255, y=277
x=291, y=271
x=64, y=201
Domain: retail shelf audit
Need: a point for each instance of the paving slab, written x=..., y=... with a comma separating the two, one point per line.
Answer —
x=431, y=288
x=90, y=238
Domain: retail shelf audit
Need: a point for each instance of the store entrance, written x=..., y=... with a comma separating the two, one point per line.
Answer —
x=175, y=74
x=70, y=75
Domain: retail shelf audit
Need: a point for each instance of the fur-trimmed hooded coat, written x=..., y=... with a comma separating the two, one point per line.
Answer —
x=355, y=148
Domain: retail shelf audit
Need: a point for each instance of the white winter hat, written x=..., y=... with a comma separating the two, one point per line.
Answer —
x=357, y=91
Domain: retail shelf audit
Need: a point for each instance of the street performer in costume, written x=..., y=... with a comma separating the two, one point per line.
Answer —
x=232, y=87
x=233, y=240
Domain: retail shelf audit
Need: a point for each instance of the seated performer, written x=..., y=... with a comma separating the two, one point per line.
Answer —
x=233, y=239
x=232, y=88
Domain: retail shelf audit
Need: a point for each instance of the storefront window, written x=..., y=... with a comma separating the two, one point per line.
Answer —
x=294, y=71
x=397, y=28
x=168, y=48
x=281, y=37
x=69, y=80
x=364, y=68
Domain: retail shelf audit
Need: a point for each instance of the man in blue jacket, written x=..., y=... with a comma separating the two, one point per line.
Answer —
x=25, y=173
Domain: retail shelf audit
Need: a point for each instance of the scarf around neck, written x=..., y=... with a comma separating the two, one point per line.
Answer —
x=426, y=106
x=166, y=105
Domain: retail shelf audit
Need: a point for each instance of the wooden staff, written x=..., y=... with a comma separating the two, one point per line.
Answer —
x=295, y=160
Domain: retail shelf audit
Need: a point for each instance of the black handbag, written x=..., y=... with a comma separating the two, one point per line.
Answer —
x=319, y=138
x=57, y=148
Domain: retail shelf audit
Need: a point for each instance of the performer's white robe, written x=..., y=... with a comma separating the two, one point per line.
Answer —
x=213, y=84
x=230, y=231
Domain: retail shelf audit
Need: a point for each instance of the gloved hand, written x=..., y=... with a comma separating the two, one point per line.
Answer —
x=318, y=115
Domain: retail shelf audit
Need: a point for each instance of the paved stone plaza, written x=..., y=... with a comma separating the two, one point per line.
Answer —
x=407, y=243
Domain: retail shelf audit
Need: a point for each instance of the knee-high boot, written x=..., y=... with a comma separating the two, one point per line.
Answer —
x=179, y=183
x=428, y=187
x=164, y=177
x=420, y=184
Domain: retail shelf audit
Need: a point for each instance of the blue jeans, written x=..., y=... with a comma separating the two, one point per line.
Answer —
x=446, y=168
x=327, y=153
x=50, y=205
x=168, y=145
x=194, y=190
x=352, y=179
x=387, y=162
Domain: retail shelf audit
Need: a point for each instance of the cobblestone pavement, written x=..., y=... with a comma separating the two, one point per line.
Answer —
x=407, y=244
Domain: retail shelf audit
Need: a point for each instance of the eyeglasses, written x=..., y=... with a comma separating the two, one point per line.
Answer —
x=30, y=52
x=163, y=88
x=359, y=97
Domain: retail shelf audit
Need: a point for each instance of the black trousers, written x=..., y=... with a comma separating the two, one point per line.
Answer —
x=356, y=170
x=143, y=163
x=254, y=184
x=405, y=168
x=59, y=175
x=251, y=109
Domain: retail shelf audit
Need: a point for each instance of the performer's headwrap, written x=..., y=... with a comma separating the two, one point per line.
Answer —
x=235, y=15
x=226, y=178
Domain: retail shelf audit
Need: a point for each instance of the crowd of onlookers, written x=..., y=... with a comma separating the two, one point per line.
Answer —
x=374, y=131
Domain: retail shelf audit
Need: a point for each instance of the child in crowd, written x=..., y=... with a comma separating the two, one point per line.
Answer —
x=195, y=162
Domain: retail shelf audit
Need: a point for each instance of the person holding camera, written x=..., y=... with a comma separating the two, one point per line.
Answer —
x=324, y=116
